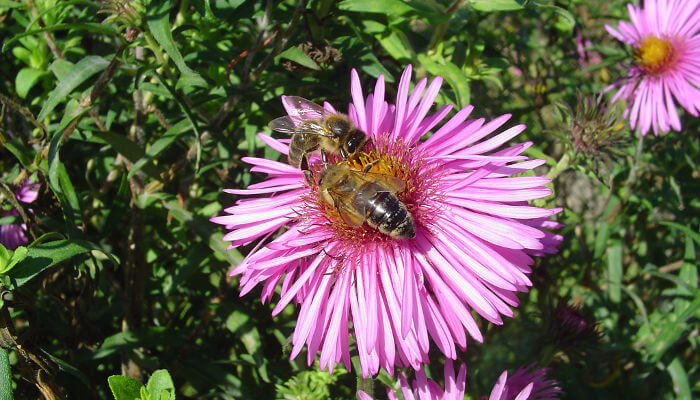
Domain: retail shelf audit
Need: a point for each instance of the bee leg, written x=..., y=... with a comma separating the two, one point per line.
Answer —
x=324, y=159
x=369, y=166
x=343, y=153
x=309, y=177
x=306, y=170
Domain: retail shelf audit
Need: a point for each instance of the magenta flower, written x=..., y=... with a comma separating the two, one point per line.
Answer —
x=427, y=389
x=664, y=35
x=525, y=384
x=12, y=235
x=475, y=235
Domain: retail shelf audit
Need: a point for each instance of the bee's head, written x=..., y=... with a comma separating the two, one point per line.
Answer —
x=355, y=142
x=339, y=126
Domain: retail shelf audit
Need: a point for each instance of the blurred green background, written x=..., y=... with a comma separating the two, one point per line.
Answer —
x=123, y=112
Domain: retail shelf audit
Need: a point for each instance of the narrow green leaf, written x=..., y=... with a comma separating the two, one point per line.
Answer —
x=161, y=144
x=26, y=79
x=454, y=76
x=389, y=7
x=124, y=388
x=496, y=5
x=17, y=255
x=681, y=385
x=128, y=340
x=91, y=27
x=10, y=4
x=20, y=150
x=46, y=255
x=614, y=271
x=396, y=44
x=5, y=375
x=601, y=239
x=160, y=385
x=294, y=54
x=159, y=26
x=130, y=150
x=693, y=234
x=78, y=74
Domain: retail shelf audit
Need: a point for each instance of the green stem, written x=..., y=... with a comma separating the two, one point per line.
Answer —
x=633, y=170
x=561, y=166
x=5, y=375
x=153, y=45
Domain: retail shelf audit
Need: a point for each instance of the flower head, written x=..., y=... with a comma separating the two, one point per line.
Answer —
x=12, y=235
x=666, y=43
x=525, y=384
x=427, y=389
x=594, y=131
x=475, y=234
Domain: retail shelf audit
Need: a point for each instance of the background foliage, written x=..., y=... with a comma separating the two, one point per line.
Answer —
x=122, y=110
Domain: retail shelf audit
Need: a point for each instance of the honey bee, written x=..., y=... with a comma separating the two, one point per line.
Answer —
x=362, y=196
x=312, y=127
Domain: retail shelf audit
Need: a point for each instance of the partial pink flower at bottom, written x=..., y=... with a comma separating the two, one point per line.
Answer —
x=526, y=384
x=665, y=36
x=427, y=389
x=12, y=235
x=475, y=234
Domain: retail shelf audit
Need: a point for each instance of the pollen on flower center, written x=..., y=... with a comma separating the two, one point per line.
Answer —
x=655, y=55
x=382, y=161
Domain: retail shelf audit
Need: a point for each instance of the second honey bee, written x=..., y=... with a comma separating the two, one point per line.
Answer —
x=313, y=127
x=362, y=196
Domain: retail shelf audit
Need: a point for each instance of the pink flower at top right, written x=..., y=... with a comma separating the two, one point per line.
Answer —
x=666, y=69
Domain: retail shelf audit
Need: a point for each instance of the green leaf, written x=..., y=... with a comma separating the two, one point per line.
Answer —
x=160, y=386
x=681, y=385
x=454, y=76
x=124, y=388
x=6, y=264
x=128, y=340
x=389, y=7
x=601, y=239
x=5, y=375
x=26, y=79
x=396, y=44
x=130, y=150
x=161, y=144
x=46, y=255
x=10, y=4
x=496, y=5
x=78, y=74
x=294, y=54
x=159, y=26
x=693, y=234
x=615, y=271
x=92, y=27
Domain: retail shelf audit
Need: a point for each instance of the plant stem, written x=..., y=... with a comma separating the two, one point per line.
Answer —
x=633, y=170
x=562, y=165
x=5, y=375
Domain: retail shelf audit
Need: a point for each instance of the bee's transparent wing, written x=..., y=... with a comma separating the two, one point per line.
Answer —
x=347, y=213
x=389, y=181
x=283, y=124
x=302, y=109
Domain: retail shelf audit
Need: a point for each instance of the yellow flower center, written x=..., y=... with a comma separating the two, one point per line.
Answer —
x=655, y=55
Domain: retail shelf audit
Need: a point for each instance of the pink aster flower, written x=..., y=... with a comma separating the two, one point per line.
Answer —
x=427, y=389
x=475, y=235
x=12, y=235
x=664, y=35
x=525, y=384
